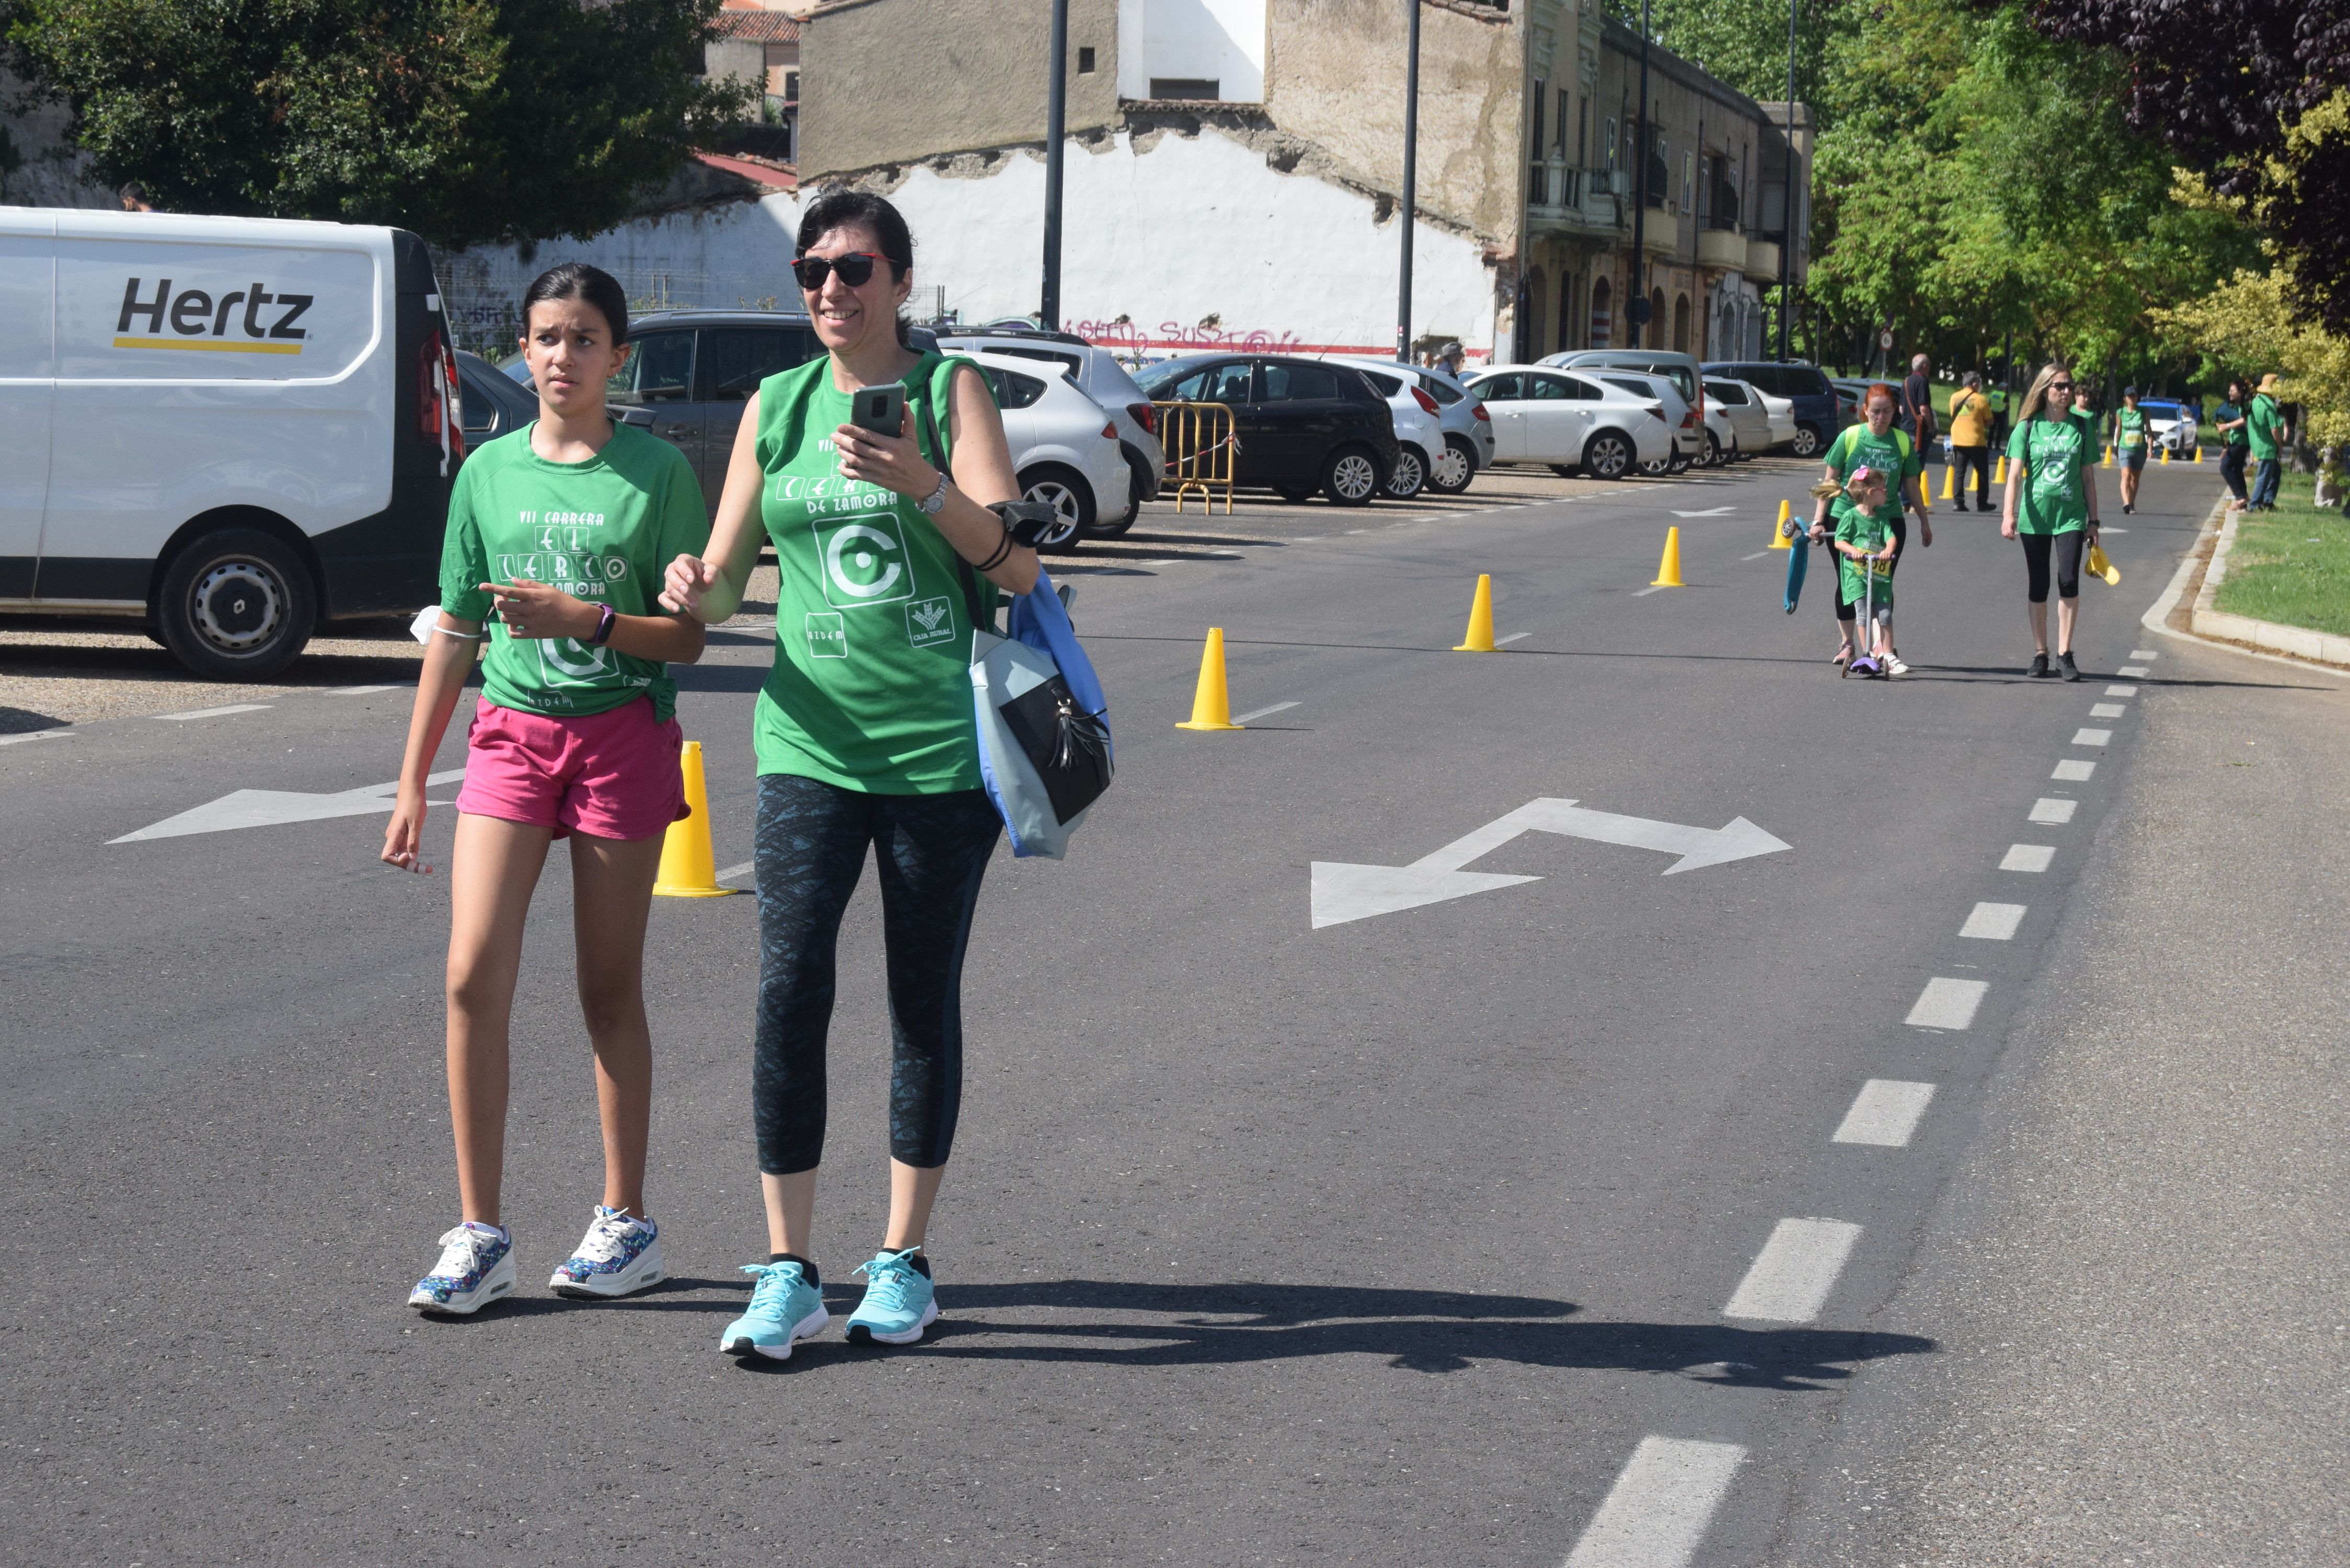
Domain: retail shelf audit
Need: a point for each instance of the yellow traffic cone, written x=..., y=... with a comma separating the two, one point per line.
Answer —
x=1779, y=540
x=2198, y=454
x=2109, y=457
x=1950, y=477
x=2001, y=477
x=2165, y=454
x=1211, y=704
x=687, y=868
x=1669, y=570
x=1925, y=492
x=1479, y=638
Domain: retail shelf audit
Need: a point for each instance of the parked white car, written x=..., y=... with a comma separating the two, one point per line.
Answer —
x=1740, y=407
x=1100, y=377
x=1781, y=412
x=1571, y=421
x=1419, y=432
x=1679, y=415
x=1065, y=449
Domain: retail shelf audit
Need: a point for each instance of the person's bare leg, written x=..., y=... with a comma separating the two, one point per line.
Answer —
x=492, y=873
x=791, y=1212
x=2068, y=611
x=611, y=899
x=913, y=1189
x=2040, y=626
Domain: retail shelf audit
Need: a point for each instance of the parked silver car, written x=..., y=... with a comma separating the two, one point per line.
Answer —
x=1679, y=416
x=1466, y=423
x=1741, y=408
x=1100, y=377
x=1064, y=446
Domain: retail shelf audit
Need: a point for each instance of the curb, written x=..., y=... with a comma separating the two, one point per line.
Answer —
x=2200, y=571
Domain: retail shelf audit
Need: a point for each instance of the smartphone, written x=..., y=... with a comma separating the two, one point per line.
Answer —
x=881, y=409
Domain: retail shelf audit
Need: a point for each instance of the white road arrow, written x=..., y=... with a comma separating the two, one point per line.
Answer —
x=1709, y=512
x=1344, y=892
x=274, y=807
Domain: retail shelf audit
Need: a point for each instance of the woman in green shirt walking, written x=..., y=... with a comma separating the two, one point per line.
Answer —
x=2051, y=507
x=2129, y=447
x=864, y=737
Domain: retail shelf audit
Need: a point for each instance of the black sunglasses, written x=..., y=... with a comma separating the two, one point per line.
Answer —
x=2060, y=386
x=856, y=269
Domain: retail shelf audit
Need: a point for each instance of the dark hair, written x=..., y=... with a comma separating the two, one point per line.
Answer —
x=839, y=209
x=578, y=280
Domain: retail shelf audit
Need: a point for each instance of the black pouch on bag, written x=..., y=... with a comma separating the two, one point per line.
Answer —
x=1066, y=745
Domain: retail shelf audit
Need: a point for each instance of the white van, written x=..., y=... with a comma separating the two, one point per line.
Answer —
x=227, y=428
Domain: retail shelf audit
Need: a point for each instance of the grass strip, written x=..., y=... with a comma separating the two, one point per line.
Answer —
x=2292, y=565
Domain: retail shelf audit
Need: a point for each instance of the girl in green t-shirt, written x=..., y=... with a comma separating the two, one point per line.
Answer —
x=866, y=739
x=2051, y=507
x=560, y=530
x=2129, y=447
x=1864, y=538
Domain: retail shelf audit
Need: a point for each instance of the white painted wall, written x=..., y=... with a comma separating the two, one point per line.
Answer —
x=1221, y=41
x=1191, y=229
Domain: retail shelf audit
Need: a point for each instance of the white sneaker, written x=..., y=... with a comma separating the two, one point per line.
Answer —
x=1896, y=666
x=476, y=1268
x=619, y=1255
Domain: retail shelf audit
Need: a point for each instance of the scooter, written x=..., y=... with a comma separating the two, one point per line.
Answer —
x=1863, y=662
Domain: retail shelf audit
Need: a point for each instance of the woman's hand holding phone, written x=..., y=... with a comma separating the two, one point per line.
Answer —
x=893, y=462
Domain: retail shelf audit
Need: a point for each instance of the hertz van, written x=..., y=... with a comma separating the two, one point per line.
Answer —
x=228, y=430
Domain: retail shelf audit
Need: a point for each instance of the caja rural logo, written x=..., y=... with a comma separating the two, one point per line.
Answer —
x=244, y=321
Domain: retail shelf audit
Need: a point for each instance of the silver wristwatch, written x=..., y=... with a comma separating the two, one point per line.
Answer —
x=936, y=501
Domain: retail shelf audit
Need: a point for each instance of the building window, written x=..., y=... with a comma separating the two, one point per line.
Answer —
x=1184, y=87
x=1611, y=142
x=1689, y=181
x=1085, y=61
x=790, y=87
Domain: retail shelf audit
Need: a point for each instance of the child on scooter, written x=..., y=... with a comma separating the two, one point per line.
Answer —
x=1864, y=538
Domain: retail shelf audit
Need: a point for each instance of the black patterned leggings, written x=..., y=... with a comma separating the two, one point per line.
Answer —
x=934, y=850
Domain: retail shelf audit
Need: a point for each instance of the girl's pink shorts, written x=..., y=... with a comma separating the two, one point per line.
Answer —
x=608, y=775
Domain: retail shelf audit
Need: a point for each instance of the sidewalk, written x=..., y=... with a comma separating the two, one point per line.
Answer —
x=2136, y=1281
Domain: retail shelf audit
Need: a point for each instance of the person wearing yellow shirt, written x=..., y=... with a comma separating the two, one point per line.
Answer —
x=1970, y=422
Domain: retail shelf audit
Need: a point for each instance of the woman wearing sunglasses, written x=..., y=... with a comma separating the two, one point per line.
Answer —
x=865, y=736
x=2052, y=506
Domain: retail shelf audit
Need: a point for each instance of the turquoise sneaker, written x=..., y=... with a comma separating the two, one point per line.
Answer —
x=900, y=1300
x=783, y=1307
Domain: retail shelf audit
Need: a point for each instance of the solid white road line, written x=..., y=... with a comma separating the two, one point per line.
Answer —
x=2073, y=771
x=1513, y=637
x=1307, y=539
x=1358, y=530
x=2108, y=710
x=2135, y=671
x=2049, y=810
x=213, y=713
x=2121, y=690
x=1651, y=589
x=1886, y=1113
x=734, y=871
x=1947, y=1004
x=2028, y=857
x=1755, y=556
x=1658, y=1511
x=2144, y=653
x=35, y=735
x=358, y=691
x=1264, y=712
x=1795, y=1271
x=1993, y=922
x=2086, y=737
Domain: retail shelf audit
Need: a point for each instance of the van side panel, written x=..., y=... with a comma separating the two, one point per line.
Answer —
x=391, y=559
x=27, y=364
x=211, y=363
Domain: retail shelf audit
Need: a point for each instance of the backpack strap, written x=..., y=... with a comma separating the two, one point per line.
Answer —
x=978, y=597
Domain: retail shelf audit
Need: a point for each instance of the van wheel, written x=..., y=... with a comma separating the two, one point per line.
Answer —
x=1455, y=467
x=1410, y=474
x=1069, y=496
x=1351, y=476
x=1608, y=455
x=236, y=606
x=1806, y=442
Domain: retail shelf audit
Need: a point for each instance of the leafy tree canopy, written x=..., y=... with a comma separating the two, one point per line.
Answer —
x=467, y=120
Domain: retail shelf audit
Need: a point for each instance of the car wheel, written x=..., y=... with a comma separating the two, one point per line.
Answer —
x=1070, y=497
x=1676, y=463
x=1455, y=467
x=1351, y=476
x=1608, y=455
x=236, y=606
x=1807, y=441
x=1410, y=474
x=1712, y=458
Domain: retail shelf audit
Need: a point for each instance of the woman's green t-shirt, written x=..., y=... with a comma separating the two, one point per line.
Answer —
x=2056, y=455
x=2130, y=428
x=871, y=688
x=1891, y=454
x=603, y=530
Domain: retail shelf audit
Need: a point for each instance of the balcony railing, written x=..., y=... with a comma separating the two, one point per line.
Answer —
x=1559, y=191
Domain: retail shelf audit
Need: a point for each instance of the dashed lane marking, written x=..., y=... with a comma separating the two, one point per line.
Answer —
x=1993, y=922
x=1755, y=556
x=2092, y=737
x=1651, y=589
x=1513, y=637
x=2121, y=690
x=1792, y=1276
x=734, y=871
x=1658, y=1511
x=35, y=735
x=1264, y=712
x=2052, y=811
x=358, y=691
x=2028, y=857
x=1947, y=1004
x=2144, y=653
x=1885, y=1113
x=2135, y=671
x=214, y=713
x=2108, y=710
x=2073, y=772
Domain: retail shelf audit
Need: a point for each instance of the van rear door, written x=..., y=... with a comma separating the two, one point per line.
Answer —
x=27, y=390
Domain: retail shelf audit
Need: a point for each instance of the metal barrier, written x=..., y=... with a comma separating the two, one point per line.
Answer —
x=1199, y=440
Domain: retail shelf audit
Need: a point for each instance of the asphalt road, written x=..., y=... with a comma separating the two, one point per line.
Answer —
x=1410, y=1237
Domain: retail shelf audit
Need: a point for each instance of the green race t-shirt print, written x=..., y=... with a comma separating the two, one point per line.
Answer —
x=2056, y=455
x=602, y=530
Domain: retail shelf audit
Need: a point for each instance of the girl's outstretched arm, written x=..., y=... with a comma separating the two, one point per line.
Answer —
x=709, y=587
x=448, y=660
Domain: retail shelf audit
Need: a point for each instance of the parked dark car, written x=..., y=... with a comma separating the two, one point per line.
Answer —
x=1303, y=425
x=490, y=404
x=1819, y=413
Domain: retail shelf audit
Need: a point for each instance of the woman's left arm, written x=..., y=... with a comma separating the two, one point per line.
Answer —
x=2089, y=497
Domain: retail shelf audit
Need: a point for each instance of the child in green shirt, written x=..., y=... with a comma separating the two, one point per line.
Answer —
x=1864, y=538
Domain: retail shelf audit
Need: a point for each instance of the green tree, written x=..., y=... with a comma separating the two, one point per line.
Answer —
x=467, y=120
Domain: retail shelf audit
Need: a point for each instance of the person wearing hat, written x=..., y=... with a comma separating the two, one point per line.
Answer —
x=2129, y=438
x=1450, y=361
x=2264, y=425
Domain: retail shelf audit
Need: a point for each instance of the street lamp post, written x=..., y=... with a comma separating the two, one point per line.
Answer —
x=1410, y=153
x=1636, y=309
x=1787, y=190
x=1057, y=114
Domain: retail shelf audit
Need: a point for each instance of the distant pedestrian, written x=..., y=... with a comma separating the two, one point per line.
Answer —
x=133, y=197
x=888, y=561
x=2264, y=426
x=572, y=737
x=1917, y=404
x=1873, y=443
x=1971, y=436
x=2128, y=437
x=1999, y=401
x=2051, y=507
x=1451, y=358
x=2235, y=443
